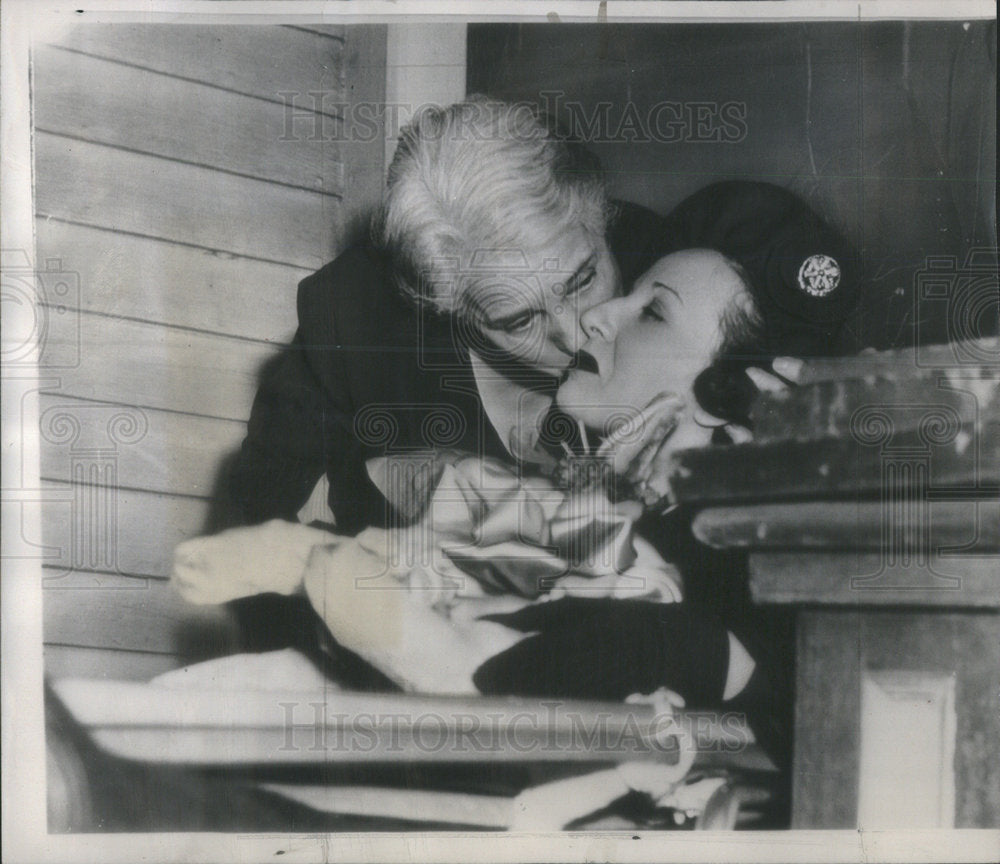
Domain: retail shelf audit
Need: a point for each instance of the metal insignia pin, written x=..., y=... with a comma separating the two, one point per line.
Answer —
x=819, y=275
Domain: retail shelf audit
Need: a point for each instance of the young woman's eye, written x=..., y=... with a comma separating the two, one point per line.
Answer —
x=651, y=312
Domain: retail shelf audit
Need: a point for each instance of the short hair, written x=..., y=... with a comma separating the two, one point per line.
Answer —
x=481, y=174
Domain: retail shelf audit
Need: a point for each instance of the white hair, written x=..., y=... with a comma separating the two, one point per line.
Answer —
x=482, y=174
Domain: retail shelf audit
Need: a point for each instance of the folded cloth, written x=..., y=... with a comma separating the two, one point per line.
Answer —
x=520, y=534
x=410, y=600
x=415, y=601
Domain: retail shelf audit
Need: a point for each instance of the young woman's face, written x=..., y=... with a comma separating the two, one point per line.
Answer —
x=655, y=340
x=529, y=304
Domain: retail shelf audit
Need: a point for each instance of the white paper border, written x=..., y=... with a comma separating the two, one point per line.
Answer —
x=23, y=788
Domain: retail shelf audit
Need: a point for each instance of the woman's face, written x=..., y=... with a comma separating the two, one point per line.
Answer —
x=655, y=340
x=529, y=304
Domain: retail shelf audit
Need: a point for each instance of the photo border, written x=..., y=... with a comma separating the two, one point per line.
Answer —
x=24, y=837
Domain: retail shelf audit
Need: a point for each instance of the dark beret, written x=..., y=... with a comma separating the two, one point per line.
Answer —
x=803, y=273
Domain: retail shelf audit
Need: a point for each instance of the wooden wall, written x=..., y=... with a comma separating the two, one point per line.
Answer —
x=186, y=178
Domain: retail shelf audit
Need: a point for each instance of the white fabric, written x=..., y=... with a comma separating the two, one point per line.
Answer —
x=268, y=671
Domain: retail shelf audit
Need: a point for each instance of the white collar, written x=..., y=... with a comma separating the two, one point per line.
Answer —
x=514, y=410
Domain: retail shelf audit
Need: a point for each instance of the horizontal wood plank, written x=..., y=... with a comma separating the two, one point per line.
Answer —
x=973, y=356
x=870, y=579
x=966, y=458
x=168, y=452
x=111, y=103
x=870, y=525
x=116, y=530
x=137, y=363
x=858, y=408
x=253, y=726
x=134, y=615
x=137, y=277
x=73, y=661
x=78, y=181
x=261, y=61
x=333, y=31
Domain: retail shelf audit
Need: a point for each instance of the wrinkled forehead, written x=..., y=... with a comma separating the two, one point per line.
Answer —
x=526, y=275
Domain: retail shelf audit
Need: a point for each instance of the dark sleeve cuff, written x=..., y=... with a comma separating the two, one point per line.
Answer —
x=609, y=649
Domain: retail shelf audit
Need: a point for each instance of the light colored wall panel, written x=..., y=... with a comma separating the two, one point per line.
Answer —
x=170, y=452
x=124, y=191
x=112, y=103
x=137, y=277
x=425, y=64
x=256, y=60
x=132, y=615
x=115, y=530
x=137, y=363
x=187, y=178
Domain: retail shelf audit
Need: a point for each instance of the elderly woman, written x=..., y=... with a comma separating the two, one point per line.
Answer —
x=503, y=234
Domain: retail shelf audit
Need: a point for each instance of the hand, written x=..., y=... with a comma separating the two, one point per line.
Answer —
x=633, y=448
x=241, y=562
x=649, y=469
x=784, y=371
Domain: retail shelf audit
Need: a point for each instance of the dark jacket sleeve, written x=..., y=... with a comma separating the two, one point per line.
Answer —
x=300, y=416
x=281, y=457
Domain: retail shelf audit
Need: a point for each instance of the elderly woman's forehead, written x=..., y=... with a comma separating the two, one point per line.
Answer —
x=541, y=248
x=489, y=260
